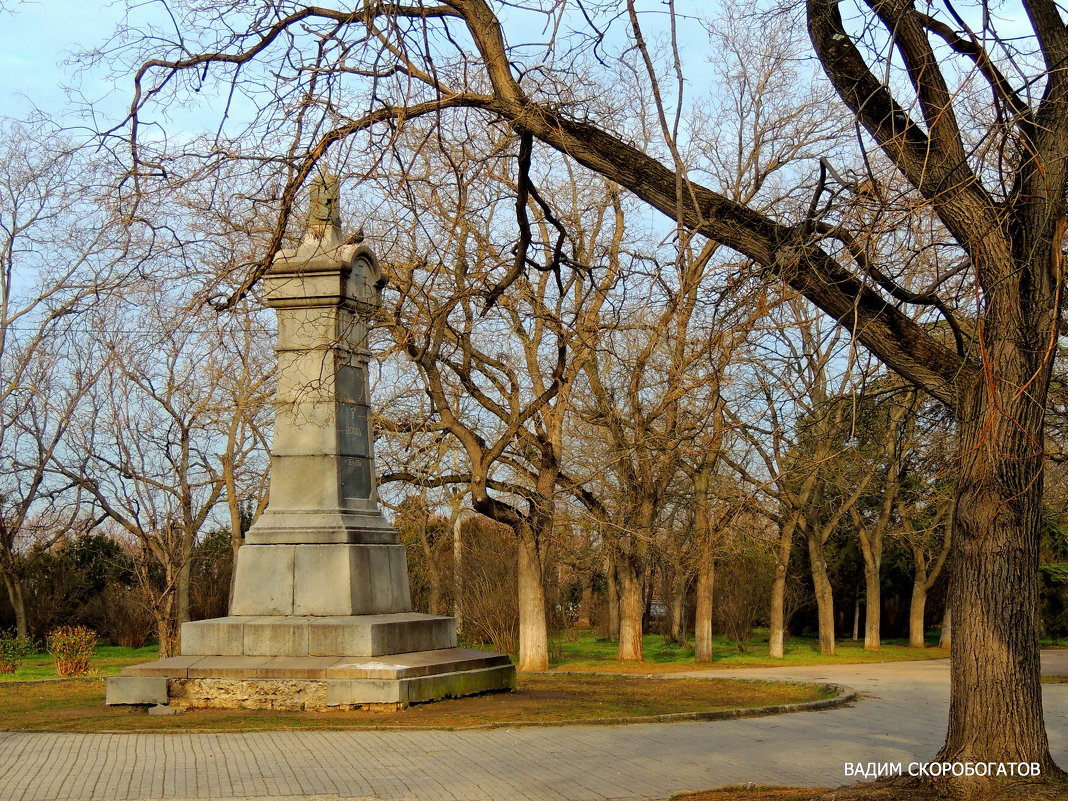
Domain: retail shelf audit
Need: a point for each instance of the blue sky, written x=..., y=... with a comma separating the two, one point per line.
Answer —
x=36, y=37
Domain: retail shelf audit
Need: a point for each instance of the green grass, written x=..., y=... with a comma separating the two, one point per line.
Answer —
x=587, y=651
x=108, y=661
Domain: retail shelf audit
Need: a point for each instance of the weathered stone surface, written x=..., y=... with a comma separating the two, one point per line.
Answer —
x=306, y=635
x=136, y=690
x=264, y=581
x=281, y=694
x=327, y=579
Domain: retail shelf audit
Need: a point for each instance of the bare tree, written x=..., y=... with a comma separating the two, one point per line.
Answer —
x=160, y=446
x=993, y=175
x=60, y=252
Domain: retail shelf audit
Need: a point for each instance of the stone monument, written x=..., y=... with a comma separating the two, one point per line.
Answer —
x=321, y=613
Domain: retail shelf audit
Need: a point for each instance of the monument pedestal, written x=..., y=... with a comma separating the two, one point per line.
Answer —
x=321, y=613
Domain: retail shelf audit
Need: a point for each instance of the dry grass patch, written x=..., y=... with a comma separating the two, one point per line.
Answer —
x=78, y=705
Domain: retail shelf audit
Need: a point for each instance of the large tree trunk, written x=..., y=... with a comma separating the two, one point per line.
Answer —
x=18, y=603
x=613, y=599
x=872, y=605
x=777, y=611
x=994, y=582
x=183, y=590
x=678, y=614
x=435, y=591
x=585, y=604
x=631, y=610
x=167, y=629
x=916, y=610
x=533, y=633
x=824, y=593
x=702, y=630
x=457, y=573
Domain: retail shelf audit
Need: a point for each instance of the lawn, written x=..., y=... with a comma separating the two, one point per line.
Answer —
x=585, y=650
x=109, y=660
x=78, y=705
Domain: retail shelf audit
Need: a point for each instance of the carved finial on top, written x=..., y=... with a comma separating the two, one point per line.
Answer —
x=324, y=213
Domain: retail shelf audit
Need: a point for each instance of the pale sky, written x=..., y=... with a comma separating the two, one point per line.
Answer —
x=36, y=37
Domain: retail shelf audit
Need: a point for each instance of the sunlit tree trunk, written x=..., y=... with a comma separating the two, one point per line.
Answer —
x=613, y=599
x=945, y=639
x=533, y=632
x=702, y=631
x=631, y=610
x=824, y=593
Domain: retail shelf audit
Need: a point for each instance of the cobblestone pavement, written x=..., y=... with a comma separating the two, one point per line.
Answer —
x=900, y=719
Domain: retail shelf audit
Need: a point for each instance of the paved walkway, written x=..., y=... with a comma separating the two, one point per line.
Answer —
x=902, y=719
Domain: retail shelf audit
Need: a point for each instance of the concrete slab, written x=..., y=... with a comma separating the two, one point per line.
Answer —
x=221, y=637
x=173, y=667
x=136, y=690
x=237, y=667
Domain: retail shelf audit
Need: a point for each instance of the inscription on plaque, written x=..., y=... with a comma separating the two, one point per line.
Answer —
x=351, y=384
x=355, y=478
x=352, y=430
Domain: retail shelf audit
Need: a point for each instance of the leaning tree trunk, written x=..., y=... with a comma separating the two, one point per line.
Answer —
x=994, y=582
x=824, y=593
x=533, y=632
x=702, y=630
x=631, y=610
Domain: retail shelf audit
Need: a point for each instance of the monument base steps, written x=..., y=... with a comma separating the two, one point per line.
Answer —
x=290, y=662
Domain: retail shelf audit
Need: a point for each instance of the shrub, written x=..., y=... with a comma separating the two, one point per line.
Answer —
x=126, y=615
x=71, y=647
x=13, y=649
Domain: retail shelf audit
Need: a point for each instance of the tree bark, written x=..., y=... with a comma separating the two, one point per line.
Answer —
x=994, y=581
x=702, y=630
x=856, y=617
x=457, y=574
x=631, y=610
x=18, y=603
x=945, y=638
x=872, y=604
x=824, y=593
x=183, y=585
x=777, y=612
x=613, y=599
x=533, y=633
x=585, y=604
x=916, y=612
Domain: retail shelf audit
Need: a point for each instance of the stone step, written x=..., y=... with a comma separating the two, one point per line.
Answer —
x=333, y=636
x=311, y=682
x=397, y=666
